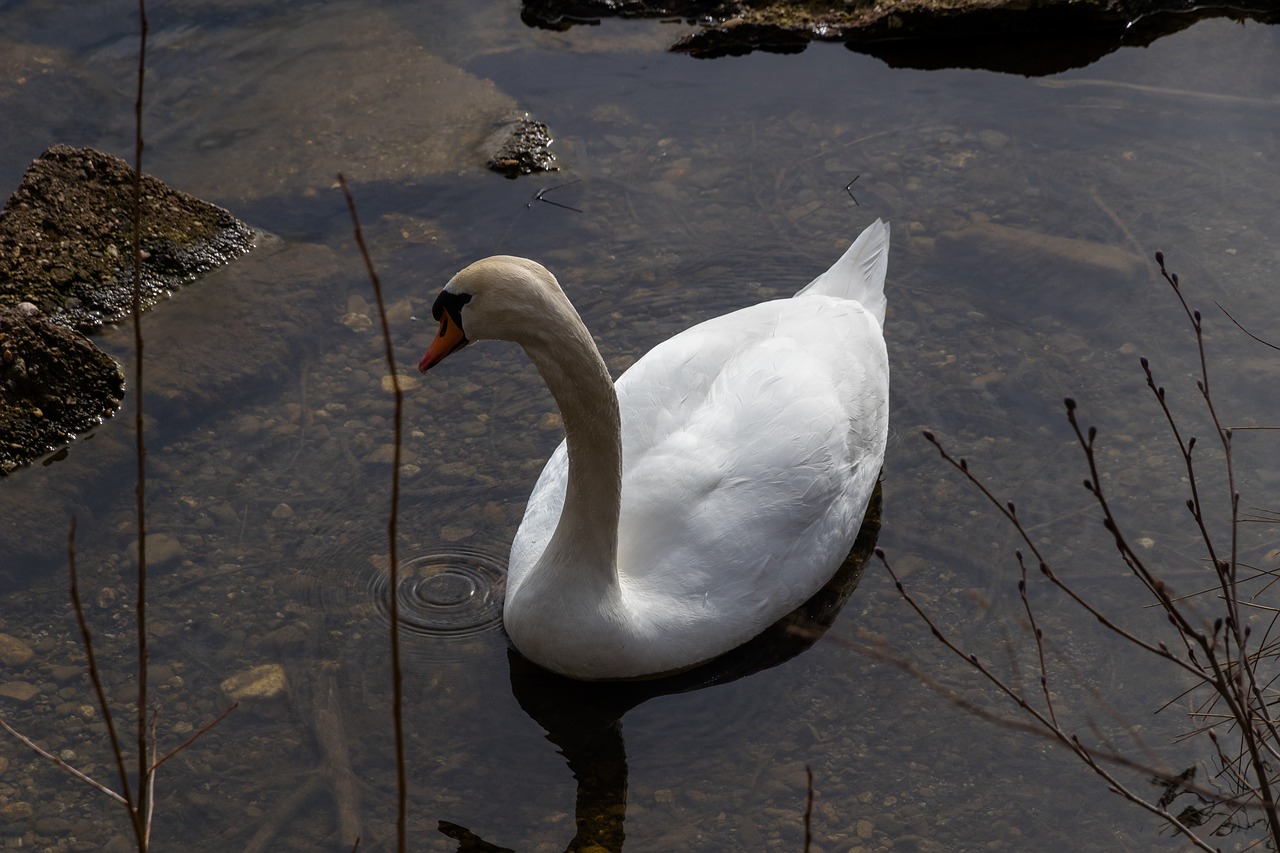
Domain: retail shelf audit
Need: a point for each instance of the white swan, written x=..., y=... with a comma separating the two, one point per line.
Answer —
x=716, y=487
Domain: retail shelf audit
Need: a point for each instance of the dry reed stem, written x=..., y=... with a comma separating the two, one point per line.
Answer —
x=142, y=805
x=55, y=760
x=397, y=678
x=126, y=795
x=808, y=808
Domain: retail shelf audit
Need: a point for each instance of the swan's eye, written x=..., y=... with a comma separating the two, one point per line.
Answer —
x=451, y=304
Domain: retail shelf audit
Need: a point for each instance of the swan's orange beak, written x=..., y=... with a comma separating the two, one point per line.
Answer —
x=448, y=340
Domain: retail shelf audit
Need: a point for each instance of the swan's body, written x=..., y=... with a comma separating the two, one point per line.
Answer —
x=717, y=490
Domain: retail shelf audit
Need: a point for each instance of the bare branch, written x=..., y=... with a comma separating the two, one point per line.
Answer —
x=397, y=678
x=86, y=636
x=1231, y=693
x=186, y=743
x=55, y=760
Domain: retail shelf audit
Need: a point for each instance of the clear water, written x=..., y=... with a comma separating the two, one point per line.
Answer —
x=698, y=187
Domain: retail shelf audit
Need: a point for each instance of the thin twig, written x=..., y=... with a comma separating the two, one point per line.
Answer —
x=140, y=490
x=541, y=195
x=186, y=743
x=849, y=189
x=875, y=647
x=104, y=707
x=1247, y=332
x=1035, y=632
x=151, y=776
x=808, y=808
x=402, y=784
x=962, y=465
x=53, y=759
x=1071, y=741
x=1229, y=693
x=1250, y=704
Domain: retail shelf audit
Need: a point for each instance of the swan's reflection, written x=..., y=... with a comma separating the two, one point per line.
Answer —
x=584, y=719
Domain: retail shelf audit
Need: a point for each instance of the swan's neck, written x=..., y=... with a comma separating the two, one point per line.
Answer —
x=585, y=542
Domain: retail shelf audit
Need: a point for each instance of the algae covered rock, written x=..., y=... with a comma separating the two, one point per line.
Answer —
x=66, y=237
x=66, y=267
x=54, y=383
x=522, y=147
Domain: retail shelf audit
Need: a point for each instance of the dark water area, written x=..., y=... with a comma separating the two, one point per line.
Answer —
x=1025, y=213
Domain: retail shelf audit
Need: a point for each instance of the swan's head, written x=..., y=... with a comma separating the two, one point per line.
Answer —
x=499, y=298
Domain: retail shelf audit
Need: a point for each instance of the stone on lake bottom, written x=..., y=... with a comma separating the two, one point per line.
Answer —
x=261, y=682
x=22, y=691
x=14, y=652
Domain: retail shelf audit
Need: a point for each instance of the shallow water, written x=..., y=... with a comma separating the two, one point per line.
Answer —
x=699, y=187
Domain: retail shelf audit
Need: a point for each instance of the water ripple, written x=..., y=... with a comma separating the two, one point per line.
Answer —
x=450, y=594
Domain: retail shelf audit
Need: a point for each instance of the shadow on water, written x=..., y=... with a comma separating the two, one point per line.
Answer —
x=584, y=719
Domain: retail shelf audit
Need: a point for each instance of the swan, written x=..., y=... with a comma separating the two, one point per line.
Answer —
x=712, y=490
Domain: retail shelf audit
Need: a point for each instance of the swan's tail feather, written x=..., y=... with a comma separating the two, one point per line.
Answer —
x=859, y=274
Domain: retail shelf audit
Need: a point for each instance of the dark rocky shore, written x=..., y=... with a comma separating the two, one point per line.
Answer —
x=1031, y=37
x=66, y=268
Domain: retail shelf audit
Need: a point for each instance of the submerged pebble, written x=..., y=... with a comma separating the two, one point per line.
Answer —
x=266, y=681
x=14, y=652
x=19, y=691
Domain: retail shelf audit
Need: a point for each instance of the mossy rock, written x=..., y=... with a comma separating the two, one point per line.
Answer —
x=66, y=238
x=66, y=267
x=54, y=384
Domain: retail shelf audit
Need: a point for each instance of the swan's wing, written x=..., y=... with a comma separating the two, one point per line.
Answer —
x=750, y=504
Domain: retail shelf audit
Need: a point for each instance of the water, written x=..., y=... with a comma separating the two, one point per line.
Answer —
x=699, y=187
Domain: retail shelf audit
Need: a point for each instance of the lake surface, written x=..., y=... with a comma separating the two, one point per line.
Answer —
x=1025, y=213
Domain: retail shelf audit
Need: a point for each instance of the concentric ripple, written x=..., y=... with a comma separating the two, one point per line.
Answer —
x=446, y=595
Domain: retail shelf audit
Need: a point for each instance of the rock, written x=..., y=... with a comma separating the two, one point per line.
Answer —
x=52, y=826
x=118, y=844
x=407, y=382
x=14, y=652
x=287, y=636
x=162, y=548
x=357, y=322
x=66, y=238
x=522, y=147
x=999, y=35
x=793, y=774
x=66, y=260
x=22, y=691
x=54, y=384
x=262, y=682
x=20, y=810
